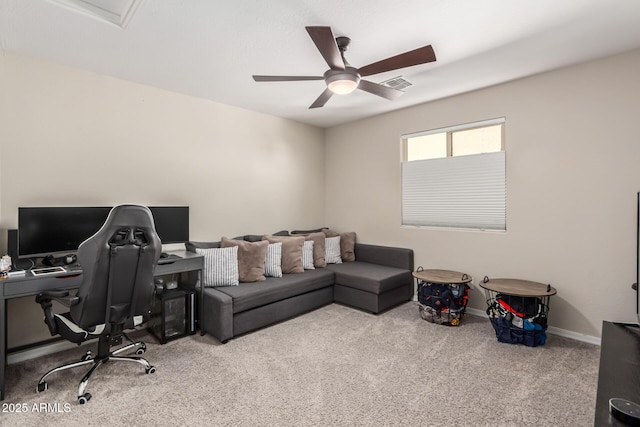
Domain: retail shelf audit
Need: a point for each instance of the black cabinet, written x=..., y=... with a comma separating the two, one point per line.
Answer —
x=619, y=373
x=173, y=315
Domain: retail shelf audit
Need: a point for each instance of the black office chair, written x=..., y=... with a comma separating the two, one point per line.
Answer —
x=115, y=294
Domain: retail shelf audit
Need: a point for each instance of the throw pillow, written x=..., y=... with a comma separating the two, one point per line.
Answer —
x=332, y=247
x=319, y=260
x=220, y=266
x=347, y=246
x=307, y=255
x=251, y=258
x=329, y=233
x=291, y=253
x=273, y=261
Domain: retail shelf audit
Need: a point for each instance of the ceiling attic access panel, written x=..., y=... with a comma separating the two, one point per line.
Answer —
x=116, y=12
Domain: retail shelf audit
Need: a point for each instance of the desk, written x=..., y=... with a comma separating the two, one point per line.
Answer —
x=26, y=285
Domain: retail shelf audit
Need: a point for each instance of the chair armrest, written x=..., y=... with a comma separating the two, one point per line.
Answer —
x=61, y=296
x=45, y=298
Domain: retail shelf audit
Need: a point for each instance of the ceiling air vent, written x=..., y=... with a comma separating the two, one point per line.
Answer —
x=397, y=83
x=118, y=12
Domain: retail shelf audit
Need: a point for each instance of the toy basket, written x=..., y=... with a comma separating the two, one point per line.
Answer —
x=441, y=302
x=518, y=319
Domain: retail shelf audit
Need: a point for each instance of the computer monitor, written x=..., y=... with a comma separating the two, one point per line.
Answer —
x=172, y=223
x=44, y=231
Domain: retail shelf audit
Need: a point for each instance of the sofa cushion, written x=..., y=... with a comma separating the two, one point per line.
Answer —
x=291, y=253
x=192, y=246
x=251, y=258
x=368, y=277
x=251, y=295
x=315, y=230
x=258, y=237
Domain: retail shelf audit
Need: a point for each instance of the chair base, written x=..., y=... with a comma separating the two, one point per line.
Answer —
x=104, y=355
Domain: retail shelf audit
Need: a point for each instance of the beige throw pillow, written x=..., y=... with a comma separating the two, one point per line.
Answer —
x=251, y=258
x=319, y=260
x=291, y=252
x=347, y=244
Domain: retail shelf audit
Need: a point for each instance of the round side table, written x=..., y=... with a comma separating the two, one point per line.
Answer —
x=442, y=295
x=442, y=276
x=518, y=309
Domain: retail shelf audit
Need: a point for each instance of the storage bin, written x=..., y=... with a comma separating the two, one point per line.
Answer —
x=442, y=295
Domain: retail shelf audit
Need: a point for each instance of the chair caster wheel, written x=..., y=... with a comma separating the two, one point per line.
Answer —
x=42, y=387
x=84, y=398
x=151, y=370
x=86, y=356
x=140, y=351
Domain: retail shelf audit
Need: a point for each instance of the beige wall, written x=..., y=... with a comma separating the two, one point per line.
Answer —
x=573, y=171
x=70, y=137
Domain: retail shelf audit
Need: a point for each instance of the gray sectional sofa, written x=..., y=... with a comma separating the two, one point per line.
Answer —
x=379, y=278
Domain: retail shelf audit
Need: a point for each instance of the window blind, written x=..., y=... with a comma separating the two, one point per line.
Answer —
x=457, y=192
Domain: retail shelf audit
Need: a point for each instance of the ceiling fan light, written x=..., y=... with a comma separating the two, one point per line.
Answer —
x=342, y=84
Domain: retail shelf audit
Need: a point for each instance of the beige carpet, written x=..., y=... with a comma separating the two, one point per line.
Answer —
x=334, y=366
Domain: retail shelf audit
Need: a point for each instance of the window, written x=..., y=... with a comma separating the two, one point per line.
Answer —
x=455, y=177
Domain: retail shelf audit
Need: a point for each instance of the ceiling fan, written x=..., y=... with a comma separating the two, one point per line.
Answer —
x=342, y=78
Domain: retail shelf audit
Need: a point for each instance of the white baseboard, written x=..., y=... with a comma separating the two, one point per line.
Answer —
x=551, y=329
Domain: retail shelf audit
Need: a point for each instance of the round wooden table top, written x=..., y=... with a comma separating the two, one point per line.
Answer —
x=442, y=276
x=520, y=288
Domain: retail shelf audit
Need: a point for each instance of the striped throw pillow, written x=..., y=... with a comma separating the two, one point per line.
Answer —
x=307, y=255
x=332, y=249
x=220, y=266
x=273, y=260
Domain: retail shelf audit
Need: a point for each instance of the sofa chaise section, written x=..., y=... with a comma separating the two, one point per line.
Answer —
x=378, y=279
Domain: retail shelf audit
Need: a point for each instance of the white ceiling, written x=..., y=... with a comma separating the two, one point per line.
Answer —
x=210, y=49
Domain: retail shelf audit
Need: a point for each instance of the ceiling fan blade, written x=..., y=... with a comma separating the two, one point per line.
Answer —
x=322, y=99
x=414, y=57
x=285, y=78
x=326, y=44
x=380, y=90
